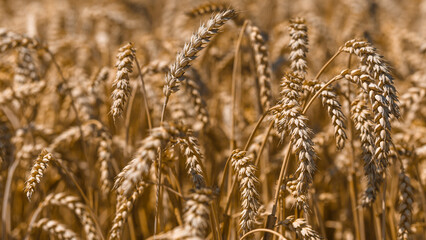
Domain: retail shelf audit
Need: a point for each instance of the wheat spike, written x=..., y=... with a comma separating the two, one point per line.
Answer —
x=37, y=172
x=191, y=49
x=125, y=58
x=250, y=203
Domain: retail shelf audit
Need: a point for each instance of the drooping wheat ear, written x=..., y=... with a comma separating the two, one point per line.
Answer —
x=405, y=206
x=382, y=127
x=210, y=8
x=105, y=158
x=194, y=159
x=37, y=172
x=101, y=77
x=197, y=211
x=10, y=40
x=375, y=66
x=198, y=102
x=262, y=65
x=125, y=56
x=57, y=229
x=191, y=48
x=334, y=109
x=301, y=228
x=361, y=116
x=250, y=202
x=138, y=169
x=196, y=217
x=25, y=71
x=289, y=119
x=74, y=204
x=298, y=46
x=72, y=135
x=156, y=66
x=411, y=102
x=123, y=207
x=207, y=8
x=24, y=91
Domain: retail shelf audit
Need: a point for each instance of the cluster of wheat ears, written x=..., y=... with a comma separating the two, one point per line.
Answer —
x=251, y=119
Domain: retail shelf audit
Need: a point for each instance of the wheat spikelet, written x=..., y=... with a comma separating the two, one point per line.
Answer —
x=262, y=65
x=289, y=119
x=73, y=203
x=301, y=228
x=191, y=48
x=125, y=56
x=364, y=125
x=37, y=172
x=57, y=229
x=405, y=206
x=246, y=173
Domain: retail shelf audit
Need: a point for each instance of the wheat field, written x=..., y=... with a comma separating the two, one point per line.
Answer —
x=244, y=119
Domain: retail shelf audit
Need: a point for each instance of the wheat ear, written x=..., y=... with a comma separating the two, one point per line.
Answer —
x=57, y=229
x=249, y=183
x=298, y=46
x=125, y=58
x=334, y=109
x=262, y=65
x=364, y=125
x=37, y=172
x=405, y=207
x=301, y=228
x=289, y=119
x=74, y=204
x=192, y=48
